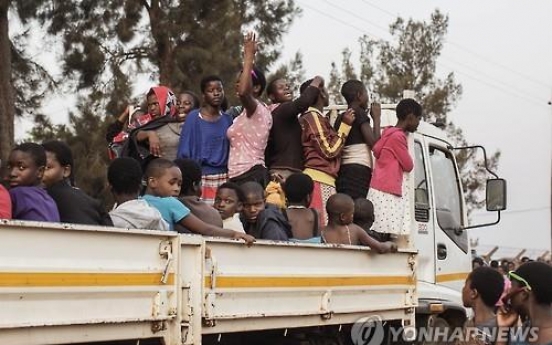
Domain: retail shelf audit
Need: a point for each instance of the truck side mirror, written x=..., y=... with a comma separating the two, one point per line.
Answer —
x=496, y=194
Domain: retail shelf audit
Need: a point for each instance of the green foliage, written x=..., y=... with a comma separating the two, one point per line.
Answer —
x=409, y=62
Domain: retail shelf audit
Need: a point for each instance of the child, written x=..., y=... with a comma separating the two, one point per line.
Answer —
x=163, y=179
x=74, y=205
x=341, y=229
x=389, y=185
x=364, y=217
x=356, y=161
x=261, y=220
x=248, y=134
x=29, y=200
x=125, y=179
x=229, y=203
x=322, y=147
x=190, y=193
x=203, y=138
x=303, y=220
x=481, y=292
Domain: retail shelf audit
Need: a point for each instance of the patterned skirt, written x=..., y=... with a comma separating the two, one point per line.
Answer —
x=391, y=212
x=320, y=196
x=209, y=186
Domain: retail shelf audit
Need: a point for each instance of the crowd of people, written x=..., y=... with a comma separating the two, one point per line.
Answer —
x=277, y=171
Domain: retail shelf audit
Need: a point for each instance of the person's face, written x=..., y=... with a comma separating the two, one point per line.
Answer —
x=511, y=266
x=227, y=203
x=324, y=95
x=413, y=122
x=214, y=93
x=54, y=171
x=184, y=103
x=23, y=170
x=363, y=99
x=467, y=294
x=516, y=297
x=167, y=184
x=153, y=105
x=282, y=92
x=252, y=206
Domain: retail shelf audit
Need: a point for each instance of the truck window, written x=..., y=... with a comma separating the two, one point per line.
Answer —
x=421, y=195
x=448, y=202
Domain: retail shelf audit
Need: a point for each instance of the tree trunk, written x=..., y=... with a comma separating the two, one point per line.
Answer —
x=160, y=34
x=7, y=102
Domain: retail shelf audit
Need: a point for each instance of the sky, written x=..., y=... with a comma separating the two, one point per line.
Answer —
x=501, y=53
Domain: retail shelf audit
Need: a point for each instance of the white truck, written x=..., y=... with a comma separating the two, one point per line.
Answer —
x=69, y=284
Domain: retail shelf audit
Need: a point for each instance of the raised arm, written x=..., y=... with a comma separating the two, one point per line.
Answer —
x=372, y=134
x=245, y=87
x=290, y=110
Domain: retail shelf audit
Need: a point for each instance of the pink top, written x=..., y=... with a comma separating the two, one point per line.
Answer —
x=392, y=159
x=248, y=137
x=5, y=204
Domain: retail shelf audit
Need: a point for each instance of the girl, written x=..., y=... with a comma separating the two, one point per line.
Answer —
x=29, y=200
x=248, y=135
x=388, y=188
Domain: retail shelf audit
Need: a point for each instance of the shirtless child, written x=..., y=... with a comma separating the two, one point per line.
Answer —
x=342, y=230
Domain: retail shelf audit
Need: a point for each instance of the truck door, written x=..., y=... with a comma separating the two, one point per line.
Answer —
x=451, y=243
x=423, y=232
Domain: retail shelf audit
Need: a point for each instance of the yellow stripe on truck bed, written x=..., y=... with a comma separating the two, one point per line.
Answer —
x=289, y=282
x=53, y=279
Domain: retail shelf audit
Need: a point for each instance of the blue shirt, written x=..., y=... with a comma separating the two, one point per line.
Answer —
x=171, y=209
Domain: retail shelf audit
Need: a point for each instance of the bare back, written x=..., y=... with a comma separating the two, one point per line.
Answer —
x=304, y=223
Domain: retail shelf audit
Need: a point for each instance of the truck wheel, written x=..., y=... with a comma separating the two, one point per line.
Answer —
x=433, y=325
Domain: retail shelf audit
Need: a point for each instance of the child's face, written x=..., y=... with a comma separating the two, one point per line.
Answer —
x=412, y=122
x=54, y=171
x=214, y=93
x=23, y=170
x=184, y=103
x=153, y=105
x=227, y=203
x=168, y=184
x=252, y=206
x=363, y=98
x=282, y=92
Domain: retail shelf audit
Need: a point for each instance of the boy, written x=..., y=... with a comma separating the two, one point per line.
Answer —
x=341, y=230
x=356, y=161
x=322, y=146
x=481, y=292
x=364, y=217
x=163, y=179
x=303, y=220
x=229, y=203
x=190, y=193
x=261, y=220
x=29, y=200
x=73, y=204
x=125, y=179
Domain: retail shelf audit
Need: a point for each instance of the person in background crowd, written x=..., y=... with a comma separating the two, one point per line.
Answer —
x=530, y=296
x=248, y=135
x=73, y=204
x=124, y=176
x=203, y=138
x=389, y=185
x=322, y=146
x=30, y=201
x=481, y=292
x=355, y=172
x=478, y=262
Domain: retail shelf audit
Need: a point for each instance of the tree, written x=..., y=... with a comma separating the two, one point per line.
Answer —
x=409, y=63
